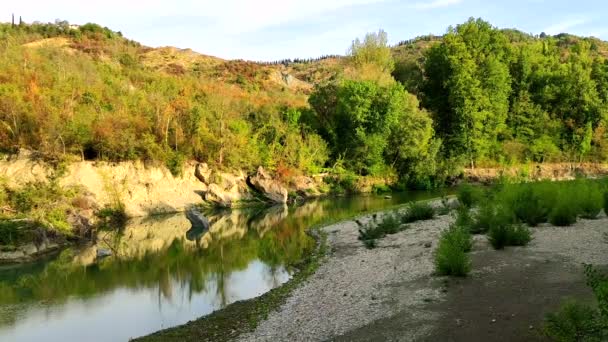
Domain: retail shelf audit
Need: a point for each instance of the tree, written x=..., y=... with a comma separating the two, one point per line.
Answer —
x=467, y=87
x=373, y=50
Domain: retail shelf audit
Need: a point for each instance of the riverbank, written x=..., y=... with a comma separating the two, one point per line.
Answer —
x=391, y=292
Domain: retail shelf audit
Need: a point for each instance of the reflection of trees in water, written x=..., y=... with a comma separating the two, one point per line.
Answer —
x=231, y=248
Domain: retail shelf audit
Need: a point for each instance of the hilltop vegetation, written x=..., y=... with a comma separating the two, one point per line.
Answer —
x=416, y=112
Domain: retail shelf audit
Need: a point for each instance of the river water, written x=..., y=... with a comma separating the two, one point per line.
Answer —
x=162, y=273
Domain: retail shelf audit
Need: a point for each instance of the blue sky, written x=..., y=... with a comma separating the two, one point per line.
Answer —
x=275, y=29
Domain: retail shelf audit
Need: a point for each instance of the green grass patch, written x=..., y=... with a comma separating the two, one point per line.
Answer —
x=451, y=256
x=418, y=211
x=375, y=229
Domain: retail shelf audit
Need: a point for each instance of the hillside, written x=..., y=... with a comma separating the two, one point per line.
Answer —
x=90, y=93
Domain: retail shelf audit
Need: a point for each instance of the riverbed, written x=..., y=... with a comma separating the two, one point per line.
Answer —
x=162, y=273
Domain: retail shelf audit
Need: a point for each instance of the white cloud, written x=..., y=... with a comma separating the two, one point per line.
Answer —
x=435, y=4
x=565, y=25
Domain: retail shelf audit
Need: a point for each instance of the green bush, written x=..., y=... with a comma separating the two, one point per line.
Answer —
x=505, y=234
x=380, y=189
x=590, y=200
x=483, y=219
x=468, y=195
x=374, y=229
x=418, y=211
x=464, y=218
x=563, y=214
x=451, y=256
x=529, y=202
x=573, y=322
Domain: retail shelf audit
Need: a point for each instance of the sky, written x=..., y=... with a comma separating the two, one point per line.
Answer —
x=267, y=30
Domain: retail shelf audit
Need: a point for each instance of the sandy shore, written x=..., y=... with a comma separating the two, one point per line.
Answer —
x=390, y=292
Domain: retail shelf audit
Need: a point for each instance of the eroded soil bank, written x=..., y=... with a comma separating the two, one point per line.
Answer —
x=391, y=294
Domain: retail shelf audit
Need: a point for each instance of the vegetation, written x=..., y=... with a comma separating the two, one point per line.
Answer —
x=418, y=211
x=468, y=195
x=580, y=322
x=492, y=96
x=375, y=229
x=36, y=210
x=451, y=256
x=508, y=234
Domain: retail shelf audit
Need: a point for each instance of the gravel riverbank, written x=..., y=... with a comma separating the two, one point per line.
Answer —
x=390, y=292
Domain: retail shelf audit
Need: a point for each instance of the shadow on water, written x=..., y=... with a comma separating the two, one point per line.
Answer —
x=164, y=272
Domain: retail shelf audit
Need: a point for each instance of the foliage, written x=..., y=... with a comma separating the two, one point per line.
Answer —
x=468, y=195
x=502, y=234
x=573, y=322
x=418, y=211
x=464, y=218
x=38, y=204
x=375, y=229
x=451, y=256
x=564, y=213
x=581, y=322
x=590, y=200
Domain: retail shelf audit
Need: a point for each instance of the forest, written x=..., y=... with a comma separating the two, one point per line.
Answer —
x=418, y=112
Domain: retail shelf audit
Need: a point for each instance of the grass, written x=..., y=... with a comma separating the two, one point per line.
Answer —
x=375, y=229
x=509, y=234
x=418, y=211
x=576, y=321
x=469, y=195
x=451, y=256
x=573, y=322
x=590, y=200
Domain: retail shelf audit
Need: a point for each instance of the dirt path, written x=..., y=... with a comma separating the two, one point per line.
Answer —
x=391, y=294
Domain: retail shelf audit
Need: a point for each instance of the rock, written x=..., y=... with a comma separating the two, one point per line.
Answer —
x=203, y=173
x=29, y=249
x=102, y=253
x=388, y=197
x=81, y=225
x=428, y=244
x=270, y=188
x=197, y=219
x=305, y=186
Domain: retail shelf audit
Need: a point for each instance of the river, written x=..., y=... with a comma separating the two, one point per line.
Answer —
x=162, y=273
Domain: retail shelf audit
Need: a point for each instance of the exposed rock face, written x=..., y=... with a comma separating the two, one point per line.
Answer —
x=557, y=171
x=28, y=252
x=227, y=190
x=203, y=173
x=143, y=189
x=306, y=186
x=270, y=188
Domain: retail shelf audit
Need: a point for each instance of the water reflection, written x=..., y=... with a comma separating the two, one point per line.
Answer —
x=163, y=273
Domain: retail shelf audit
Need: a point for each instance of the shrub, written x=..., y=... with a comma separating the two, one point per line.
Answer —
x=573, y=322
x=380, y=189
x=112, y=217
x=468, y=195
x=578, y=322
x=418, y=211
x=527, y=203
x=451, y=256
x=372, y=230
x=563, y=214
x=483, y=218
x=508, y=234
x=464, y=218
x=590, y=200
